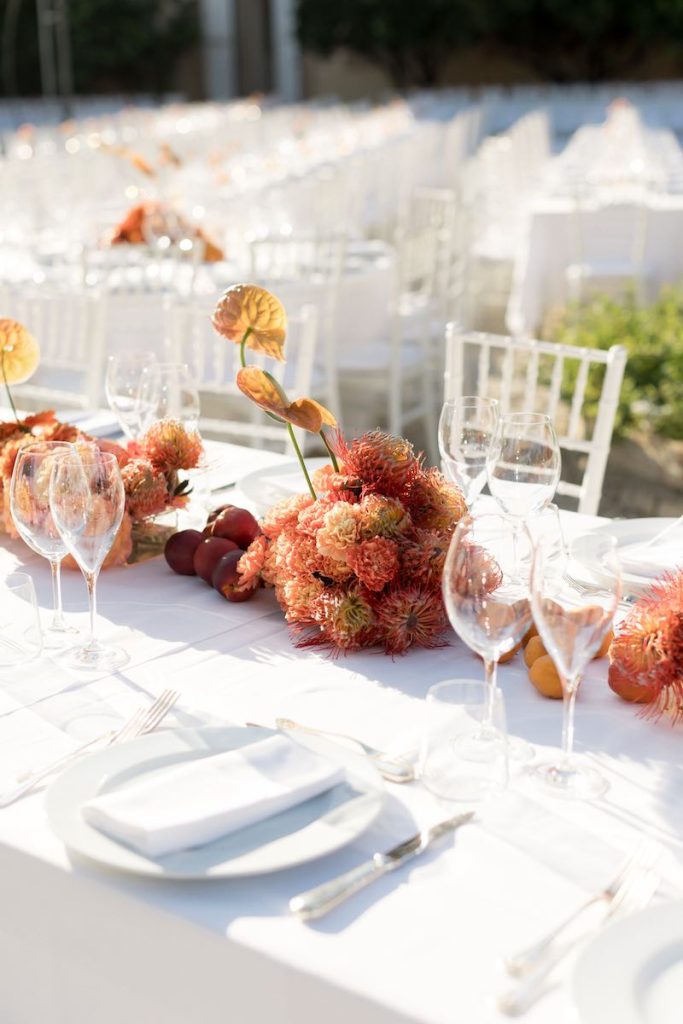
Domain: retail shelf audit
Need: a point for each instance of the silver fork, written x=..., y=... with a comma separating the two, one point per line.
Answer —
x=393, y=769
x=143, y=721
x=528, y=959
x=635, y=892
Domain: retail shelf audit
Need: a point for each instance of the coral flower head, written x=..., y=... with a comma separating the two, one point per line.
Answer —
x=248, y=309
x=262, y=388
x=169, y=446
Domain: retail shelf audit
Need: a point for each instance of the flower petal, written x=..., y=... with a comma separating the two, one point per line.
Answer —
x=19, y=352
x=248, y=307
x=262, y=388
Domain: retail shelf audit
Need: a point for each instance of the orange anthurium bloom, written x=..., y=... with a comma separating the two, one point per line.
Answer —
x=19, y=353
x=246, y=307
x=262, y=388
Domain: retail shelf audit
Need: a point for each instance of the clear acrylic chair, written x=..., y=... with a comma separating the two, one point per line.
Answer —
x=577, y=387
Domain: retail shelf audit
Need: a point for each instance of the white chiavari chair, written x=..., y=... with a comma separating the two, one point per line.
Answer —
x=533, y=376
x=69, y=327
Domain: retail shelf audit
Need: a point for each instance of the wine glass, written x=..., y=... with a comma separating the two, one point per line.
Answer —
x=523, y=464
x=486, y=593
x=168, y=391
x=466, y=429
x=122, y=388
x=574, y=595
x=30, y=510
x=87, y=503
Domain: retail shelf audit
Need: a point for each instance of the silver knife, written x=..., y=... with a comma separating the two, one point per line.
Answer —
x=316, y=902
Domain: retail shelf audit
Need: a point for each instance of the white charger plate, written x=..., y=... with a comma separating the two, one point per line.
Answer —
x=264, y=487
x=632, y=972
x=310, y=830
x=627, y=532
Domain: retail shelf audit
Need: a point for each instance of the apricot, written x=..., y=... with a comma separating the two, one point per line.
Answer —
x=534, y=649
x=605, y=645
x=509, y=655
x=531, y=631
x=628, y=688
x=545, y=677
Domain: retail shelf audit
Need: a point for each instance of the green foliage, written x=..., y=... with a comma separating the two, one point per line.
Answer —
x=652, y=392
x=122, y=45
x=557, y=40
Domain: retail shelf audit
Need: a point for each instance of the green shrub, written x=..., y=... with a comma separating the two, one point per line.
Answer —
x=652, y=392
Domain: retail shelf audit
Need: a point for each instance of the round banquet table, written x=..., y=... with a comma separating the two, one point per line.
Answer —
x=421, y=946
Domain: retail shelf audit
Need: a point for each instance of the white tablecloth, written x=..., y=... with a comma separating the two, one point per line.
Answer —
x=539, y=281
x=79, y=944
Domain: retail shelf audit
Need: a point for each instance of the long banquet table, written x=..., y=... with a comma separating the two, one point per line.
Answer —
x=79, y=943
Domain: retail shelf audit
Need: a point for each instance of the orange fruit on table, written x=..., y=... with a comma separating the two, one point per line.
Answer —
x=533, y=650
x=605, y=645
x=628, y=687
x=509, y=655
x=545, y=677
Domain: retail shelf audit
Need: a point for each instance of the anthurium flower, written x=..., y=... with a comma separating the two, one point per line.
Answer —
x=248, y=309
x=19, y=352
x=262, y=388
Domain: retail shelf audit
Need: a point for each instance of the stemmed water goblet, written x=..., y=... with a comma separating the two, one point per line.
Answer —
x=466, y=430
x=122, y=388
x=523, y=464
x=87, y=504
x=486, y=593
x=30, y=510
x=168, y=391
x=574, y=595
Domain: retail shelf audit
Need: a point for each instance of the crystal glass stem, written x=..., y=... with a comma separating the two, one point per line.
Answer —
x=569, y=690
x=57, y=622
x=490, y=668
x=91, y=581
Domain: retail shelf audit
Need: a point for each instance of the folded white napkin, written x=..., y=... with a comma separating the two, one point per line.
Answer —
x=196, y=802
x=654, y=559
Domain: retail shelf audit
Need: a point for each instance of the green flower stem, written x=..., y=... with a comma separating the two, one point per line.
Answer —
x=301, y=461
x=9, y=393
x=333, y=457
x=242, y=344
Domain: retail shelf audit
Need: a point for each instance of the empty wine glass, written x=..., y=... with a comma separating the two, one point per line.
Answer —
x=466, y=429
x=524, y=462
x=30, y=510
x=486, y=593
x=574, y=595
x=21, y=638
x=168, y=391
x=87, y=502
x=122, y=388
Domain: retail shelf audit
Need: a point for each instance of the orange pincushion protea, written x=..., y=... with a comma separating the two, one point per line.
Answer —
x=246, y=309
x=646, y=655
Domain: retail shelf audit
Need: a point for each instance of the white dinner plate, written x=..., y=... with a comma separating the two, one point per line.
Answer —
x=312, y=829
x=633, y=531
x=264, y=487
x=632, y=972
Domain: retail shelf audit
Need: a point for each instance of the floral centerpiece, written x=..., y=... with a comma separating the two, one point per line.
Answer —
x=356, y=561
x=150, y=467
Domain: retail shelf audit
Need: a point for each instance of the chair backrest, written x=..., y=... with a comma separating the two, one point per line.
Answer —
x=69, y=328
x=540, y=376
x=190, y=338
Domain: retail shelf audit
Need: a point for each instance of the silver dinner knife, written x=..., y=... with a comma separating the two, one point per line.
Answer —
x=316, y=902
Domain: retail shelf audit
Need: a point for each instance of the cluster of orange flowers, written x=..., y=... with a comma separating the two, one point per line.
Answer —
x=361, y=565
x=149, y=468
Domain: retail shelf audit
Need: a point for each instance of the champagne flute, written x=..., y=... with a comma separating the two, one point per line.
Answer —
x=122, y=387
x=486, y=593
x=30, y=510
x=466, y=429
x=87, y=503
x=523, y=465
x=574, y=595
x=168, y=391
